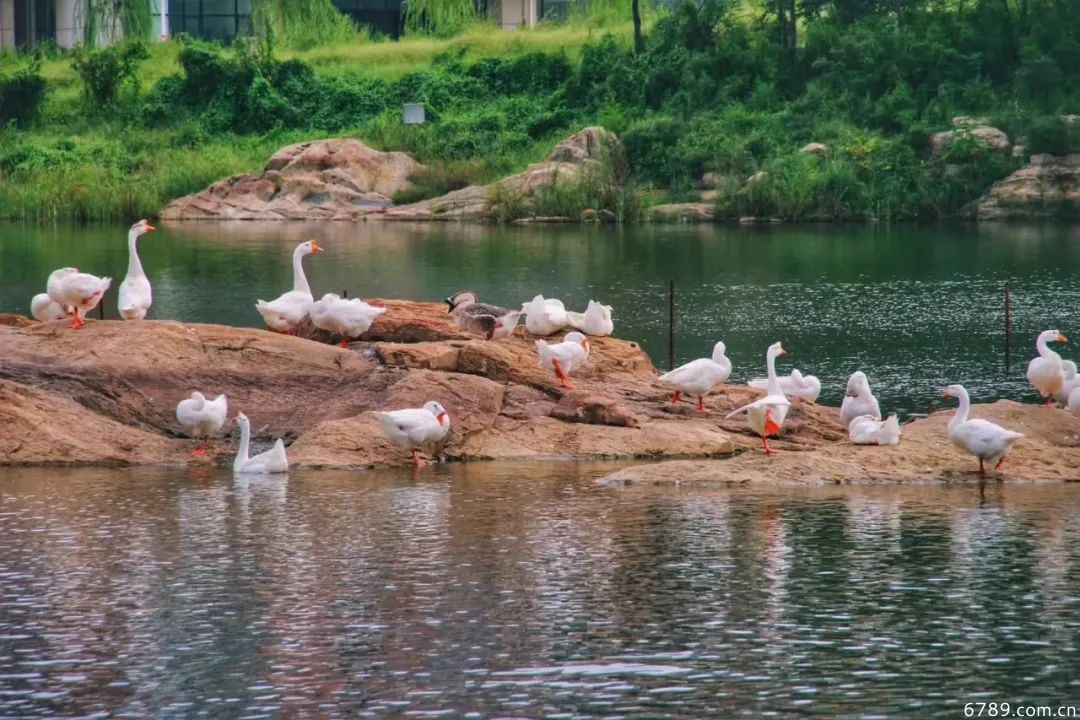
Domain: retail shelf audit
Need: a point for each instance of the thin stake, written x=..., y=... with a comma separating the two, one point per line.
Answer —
x=1008, y=325
x=345, y=294
x=671, y=326
x=101, y=310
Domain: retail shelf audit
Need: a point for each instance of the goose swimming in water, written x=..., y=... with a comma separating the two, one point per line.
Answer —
x=270, y=462
x=491, y=321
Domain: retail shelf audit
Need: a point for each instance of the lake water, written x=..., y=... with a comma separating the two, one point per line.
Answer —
x=528, y=591
x=916, y=308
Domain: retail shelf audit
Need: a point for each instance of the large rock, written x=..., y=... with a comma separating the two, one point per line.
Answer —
x=340, y=179
x=484, y=202
x=106, y=394
x=989, y=138
x=1050, y=450
x=1047, y=187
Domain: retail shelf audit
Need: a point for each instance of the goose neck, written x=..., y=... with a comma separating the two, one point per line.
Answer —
x=300, y=283
x=135, y=268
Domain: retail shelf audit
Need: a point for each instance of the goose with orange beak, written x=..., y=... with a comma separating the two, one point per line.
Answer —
x=415, y=428
x=135, y=294
x=565, y=357
x=1046, y=373
x=765, y=416
x=985, y=440
x=286, y=313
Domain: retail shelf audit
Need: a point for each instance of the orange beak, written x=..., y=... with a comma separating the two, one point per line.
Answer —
x=440, y=417
x=585, y=344
x=945, y=394
x=150, y=228
x=1062, y=338
x=315, y=247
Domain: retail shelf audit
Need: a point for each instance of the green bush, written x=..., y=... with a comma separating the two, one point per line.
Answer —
x=1054, y=135
x=104, y=72
x=21, y=94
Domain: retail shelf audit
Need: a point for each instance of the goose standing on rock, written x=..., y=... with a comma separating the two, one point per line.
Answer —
x=491, y=321
x=135, y=296
x=44, y=309
x=766, y=415
x=865, y=430
x=807, y=387
x=1046, y=373
x=343, y=317
x=1070, y=381
x=985, y=440
x=287, y=312
x=859, y=400
x=202, y=417
x=414, y=428
x=272, y=461
x=596, y=320
x=699, y=377
x=565, y=357
x=79, y=292
x=544, y=317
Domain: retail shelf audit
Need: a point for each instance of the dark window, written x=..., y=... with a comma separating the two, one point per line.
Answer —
x=383, y=16
x=222, y=20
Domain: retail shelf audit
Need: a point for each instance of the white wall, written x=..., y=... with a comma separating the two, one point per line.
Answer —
x=516, y=13
x=70, y=22
x=7, y=23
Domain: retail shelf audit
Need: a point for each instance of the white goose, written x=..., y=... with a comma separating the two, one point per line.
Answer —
x=202, y=417
x=985, y=440
x=765, y=416
x=80, y=292
x=289, y=310
x=1070, y=381
x=343, y=317
x=273, y=460
x=807, y=387
x=865, y=430
x=1046, y=373
x=44, y=309
x=565, y=357
x=699, y=377
x=544, y=317
x=1073, y=405
x=596, y=320
x=135, y=295
x=859, y=400
x=415, y=427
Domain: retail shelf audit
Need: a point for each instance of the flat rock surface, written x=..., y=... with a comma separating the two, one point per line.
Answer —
x=1050, y=451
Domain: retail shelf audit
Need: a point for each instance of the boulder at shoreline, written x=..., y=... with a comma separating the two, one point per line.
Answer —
x=335, y=179
x=106, y=395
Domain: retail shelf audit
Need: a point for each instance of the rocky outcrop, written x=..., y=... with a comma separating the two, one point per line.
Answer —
x=815, y=148
x=684, y=212
x=1047, y=187
x=106, y=394
x=1050, y=450
x=340, y=179
x=566, y=163
x=984, y=136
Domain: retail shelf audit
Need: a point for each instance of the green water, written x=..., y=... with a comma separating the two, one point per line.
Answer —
x=915, y=307
x=502, y=590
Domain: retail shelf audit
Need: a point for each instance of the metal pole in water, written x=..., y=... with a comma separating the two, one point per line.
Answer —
x=345, y=294
x=671, y=326
x=1008, y=324
x=101, y=310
